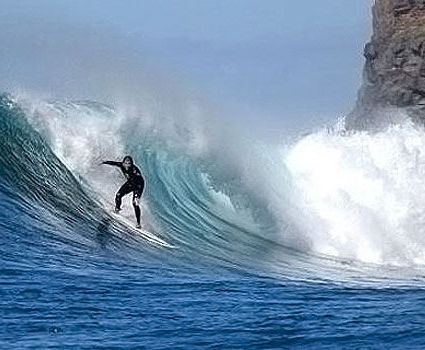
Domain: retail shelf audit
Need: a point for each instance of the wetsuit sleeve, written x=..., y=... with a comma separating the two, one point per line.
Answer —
x=110, y=162
x=137, y=170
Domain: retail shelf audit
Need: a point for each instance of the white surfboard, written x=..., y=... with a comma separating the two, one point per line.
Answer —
x=148, y=236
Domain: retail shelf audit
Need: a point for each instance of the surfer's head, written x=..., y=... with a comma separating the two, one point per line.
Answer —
x=127, y=162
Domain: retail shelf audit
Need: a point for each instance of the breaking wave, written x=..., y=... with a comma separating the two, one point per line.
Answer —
x=326, y=201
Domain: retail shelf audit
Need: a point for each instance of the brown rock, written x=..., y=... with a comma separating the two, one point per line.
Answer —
x=394, y=71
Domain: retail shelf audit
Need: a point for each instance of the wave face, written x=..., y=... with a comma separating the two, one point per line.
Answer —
x=330, y=205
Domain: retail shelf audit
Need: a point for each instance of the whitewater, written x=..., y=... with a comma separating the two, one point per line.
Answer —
x=281, y=244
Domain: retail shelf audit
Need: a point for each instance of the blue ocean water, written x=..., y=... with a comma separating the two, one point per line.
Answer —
x=72, y=277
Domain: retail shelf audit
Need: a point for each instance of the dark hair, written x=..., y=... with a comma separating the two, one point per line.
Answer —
x=129, y=159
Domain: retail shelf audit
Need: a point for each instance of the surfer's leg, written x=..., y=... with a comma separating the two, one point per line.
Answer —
x=137, y=193
x=137, y=210
x=125, y=189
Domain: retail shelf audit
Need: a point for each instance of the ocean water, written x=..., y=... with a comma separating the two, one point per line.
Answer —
x=315, y=243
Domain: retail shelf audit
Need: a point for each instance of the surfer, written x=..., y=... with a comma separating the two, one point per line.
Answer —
x=135, y=183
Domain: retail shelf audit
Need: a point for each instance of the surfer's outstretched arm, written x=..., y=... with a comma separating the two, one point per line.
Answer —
x=110, y=162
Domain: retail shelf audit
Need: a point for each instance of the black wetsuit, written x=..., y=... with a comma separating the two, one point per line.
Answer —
x=135, y=183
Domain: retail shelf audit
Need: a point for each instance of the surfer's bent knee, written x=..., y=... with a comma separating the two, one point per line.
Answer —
x=136, y=201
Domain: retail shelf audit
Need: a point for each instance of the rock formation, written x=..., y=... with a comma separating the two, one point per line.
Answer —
x=394, y=72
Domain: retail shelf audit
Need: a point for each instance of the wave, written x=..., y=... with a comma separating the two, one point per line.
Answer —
x=328, y=201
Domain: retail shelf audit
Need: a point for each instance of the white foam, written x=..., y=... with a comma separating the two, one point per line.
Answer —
x=361, y=196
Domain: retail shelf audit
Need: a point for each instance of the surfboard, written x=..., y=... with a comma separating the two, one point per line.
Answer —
x=146, y=235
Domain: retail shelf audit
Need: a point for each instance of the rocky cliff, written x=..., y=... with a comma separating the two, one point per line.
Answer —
x=394, y=72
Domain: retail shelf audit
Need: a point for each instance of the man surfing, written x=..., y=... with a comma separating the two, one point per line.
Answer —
x=135, y=183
